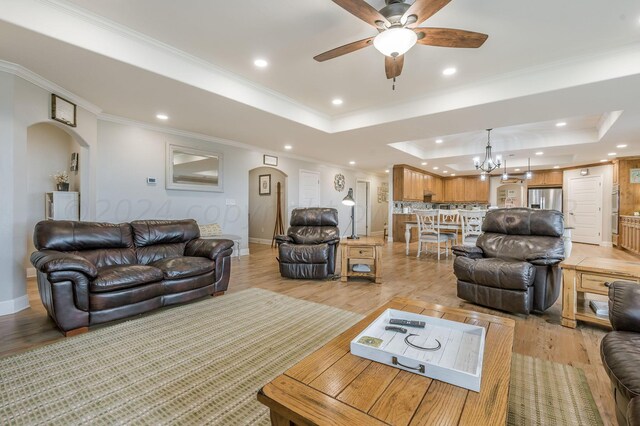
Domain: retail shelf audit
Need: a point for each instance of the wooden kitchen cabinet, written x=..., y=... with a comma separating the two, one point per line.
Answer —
x=438, y=189
x=482, y=190
x=471, y=189
x=408, y=184
x=546, y=178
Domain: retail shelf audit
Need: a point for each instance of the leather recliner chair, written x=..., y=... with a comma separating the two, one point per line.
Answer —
x=514, y=265
x=620, y=350
x=309, y=249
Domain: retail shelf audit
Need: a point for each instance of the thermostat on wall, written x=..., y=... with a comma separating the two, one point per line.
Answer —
x=151, y=181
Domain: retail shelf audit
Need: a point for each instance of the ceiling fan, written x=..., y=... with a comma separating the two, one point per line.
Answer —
x=398, y=31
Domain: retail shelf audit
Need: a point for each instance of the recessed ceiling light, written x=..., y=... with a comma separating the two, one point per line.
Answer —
x=337, y=101
x=386, y=171
x=539, y=153
x=162, y=116
x=517, y=170
x=612, y=154
x=453, y=174
x=449, y=71
x=621, y=146
x=436, y=168
x=260, y=63
x=439, y=141
x=424, y=163
x=603, y=161
x=445, y=171
x=352, y=162
x=288, y=147
x=561, y=124
x=556, y=167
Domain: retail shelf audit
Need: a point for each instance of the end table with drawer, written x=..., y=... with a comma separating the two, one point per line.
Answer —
x=363, y=252
x=582, y=276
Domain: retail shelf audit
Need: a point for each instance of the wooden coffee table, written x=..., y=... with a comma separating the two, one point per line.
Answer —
x=331, y=386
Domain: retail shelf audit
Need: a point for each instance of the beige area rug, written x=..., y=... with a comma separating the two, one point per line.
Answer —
x=203, y=363
x=200, y=363
x=547, y=393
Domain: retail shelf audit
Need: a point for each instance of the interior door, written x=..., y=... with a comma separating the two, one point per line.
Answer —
x=362, y=208
x=309, y=189
x=584, y=205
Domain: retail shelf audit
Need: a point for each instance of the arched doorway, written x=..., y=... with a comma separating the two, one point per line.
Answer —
x=263, y=203
x=49, y=151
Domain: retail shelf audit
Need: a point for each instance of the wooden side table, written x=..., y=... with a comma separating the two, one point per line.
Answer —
x=591, y=275
x=364, y=253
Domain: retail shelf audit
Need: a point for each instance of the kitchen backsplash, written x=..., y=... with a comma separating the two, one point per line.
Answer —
x=400, y=207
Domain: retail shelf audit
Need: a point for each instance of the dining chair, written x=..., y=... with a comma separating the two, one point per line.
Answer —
x=449, y=223
x=471, y=221
x=429, y=231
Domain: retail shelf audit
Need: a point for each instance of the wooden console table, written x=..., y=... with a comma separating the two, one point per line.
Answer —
x=591, y=275
x=364, y=252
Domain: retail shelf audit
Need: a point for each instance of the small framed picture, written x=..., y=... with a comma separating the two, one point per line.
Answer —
x=270, y=160
x=74, y=162
x=634, y=175
x=63, y=111
x=264, y=185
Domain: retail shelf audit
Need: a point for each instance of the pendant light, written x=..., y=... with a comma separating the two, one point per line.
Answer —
x=505, y=175
x=488, y=165
x=529, y=175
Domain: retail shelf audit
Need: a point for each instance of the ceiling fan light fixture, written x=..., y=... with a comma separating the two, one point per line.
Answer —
x=395, y=41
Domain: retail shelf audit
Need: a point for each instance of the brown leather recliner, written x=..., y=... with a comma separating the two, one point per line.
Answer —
x=308, y=251
x=514, y=265
x=90, y=273
x=620, y=350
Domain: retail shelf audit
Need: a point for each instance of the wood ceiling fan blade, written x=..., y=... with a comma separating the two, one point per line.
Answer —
x=450, y=37
x=343, y=50
x=393, y=66
x=423, y=10
x=363, y=10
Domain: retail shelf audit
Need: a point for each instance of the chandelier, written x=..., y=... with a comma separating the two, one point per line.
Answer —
x=488, y=165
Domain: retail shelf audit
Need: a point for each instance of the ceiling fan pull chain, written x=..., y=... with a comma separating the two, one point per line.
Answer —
x=394, y=84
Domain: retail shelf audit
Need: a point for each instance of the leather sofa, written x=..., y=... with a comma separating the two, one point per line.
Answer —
x=620, y=350
x=309, y=249
x=90, y=273
x=514, y=265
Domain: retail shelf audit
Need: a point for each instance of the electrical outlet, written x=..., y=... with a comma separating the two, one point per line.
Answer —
x=230, y=202
x=151, y=181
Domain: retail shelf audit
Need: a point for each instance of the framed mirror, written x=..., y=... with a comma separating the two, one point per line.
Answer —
x=191, y=169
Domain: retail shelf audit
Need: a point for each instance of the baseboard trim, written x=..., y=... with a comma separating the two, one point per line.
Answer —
x=260, y=241
x=244, y=252
x=12, y=306
x=31, y=272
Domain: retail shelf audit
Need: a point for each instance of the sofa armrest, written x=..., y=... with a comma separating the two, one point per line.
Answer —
x=211, y=248
x=49, y=261
x=283, y=239
x=624, y=306
x=472, y=252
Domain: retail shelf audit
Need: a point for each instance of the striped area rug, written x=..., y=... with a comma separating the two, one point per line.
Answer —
x=203, y=363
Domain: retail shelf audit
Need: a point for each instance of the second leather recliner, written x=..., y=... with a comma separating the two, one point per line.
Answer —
x=309, y=249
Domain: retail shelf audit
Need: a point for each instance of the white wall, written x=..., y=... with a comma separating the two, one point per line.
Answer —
x=606, y=172
x=262, y=208
x=49, y=151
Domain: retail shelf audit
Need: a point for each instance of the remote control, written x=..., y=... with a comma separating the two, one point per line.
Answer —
x=408, y=323
x=396, y=328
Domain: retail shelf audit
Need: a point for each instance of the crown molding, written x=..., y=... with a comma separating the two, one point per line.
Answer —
x=49, y=86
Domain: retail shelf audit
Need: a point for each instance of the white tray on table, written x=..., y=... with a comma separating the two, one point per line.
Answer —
x=458, y=361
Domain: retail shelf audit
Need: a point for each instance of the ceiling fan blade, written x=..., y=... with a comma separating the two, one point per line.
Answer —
x=364, y=11
x=449, y=37
x=393, y=66
x=422, y=10
x=343, y=50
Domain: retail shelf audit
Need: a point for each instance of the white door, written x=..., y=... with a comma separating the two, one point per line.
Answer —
x=309, y=189
x=585, y=209
x=362, y=208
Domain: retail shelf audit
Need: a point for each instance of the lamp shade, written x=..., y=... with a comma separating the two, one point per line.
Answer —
x=348, y=200
x=395, y=41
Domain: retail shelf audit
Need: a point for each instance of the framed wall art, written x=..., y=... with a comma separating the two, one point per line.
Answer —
x=634, y=175
x=63, y=111
x=74, y=162
x=191, y=169
x=264, y=185
x=270, y=160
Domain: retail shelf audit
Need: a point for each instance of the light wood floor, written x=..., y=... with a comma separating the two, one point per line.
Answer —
x=425, y=279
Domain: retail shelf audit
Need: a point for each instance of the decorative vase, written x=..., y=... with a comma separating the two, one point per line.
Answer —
x=62, y=186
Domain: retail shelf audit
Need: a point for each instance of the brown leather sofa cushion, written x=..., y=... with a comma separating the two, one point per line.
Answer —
x=117, y=277
x=523, y=221
x=621, y=358
x=305, y=254
x=182, y=267
x=497, y=273
x=633, y=412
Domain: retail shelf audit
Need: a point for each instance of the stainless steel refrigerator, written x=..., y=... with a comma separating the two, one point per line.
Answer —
x=545, y=198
